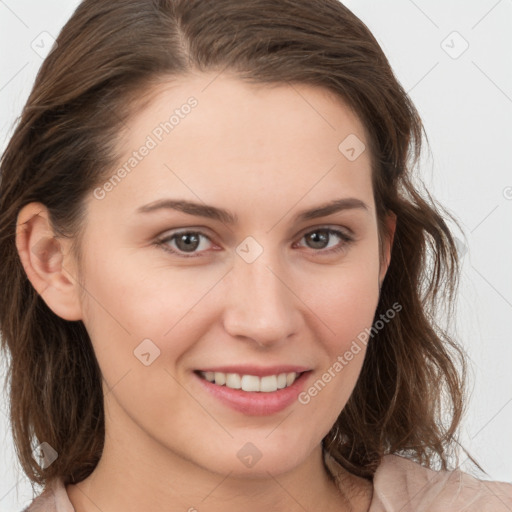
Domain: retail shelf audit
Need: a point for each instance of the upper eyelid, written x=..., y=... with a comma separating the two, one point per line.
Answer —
x=203, y=232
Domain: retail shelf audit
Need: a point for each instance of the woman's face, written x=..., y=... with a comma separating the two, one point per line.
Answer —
x=171, y=291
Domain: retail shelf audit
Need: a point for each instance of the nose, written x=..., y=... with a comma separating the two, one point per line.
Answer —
x=261, y=306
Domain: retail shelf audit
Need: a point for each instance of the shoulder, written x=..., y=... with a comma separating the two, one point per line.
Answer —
x=45, y=502
x=53, y=499
x=400, y=483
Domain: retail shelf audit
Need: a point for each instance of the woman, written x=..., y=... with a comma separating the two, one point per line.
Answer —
x=216, y=288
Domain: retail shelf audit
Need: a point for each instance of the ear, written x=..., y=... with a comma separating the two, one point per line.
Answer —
x=45, y=260
x=388, y=243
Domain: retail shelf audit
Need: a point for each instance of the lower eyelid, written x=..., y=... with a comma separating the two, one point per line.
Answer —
x=164, y=243
x=345, y=238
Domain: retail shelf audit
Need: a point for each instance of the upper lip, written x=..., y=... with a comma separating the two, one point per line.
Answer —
x=258, y=371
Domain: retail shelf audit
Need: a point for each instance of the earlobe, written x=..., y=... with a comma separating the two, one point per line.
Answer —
x=44, y=260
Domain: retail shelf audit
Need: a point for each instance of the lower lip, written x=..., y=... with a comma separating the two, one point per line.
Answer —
x=257, y=403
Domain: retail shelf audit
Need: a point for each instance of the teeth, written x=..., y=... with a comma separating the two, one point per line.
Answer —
x=209, y=376
x=251, y=383
x=220, y=378
x=233, y=381
x=268, y=383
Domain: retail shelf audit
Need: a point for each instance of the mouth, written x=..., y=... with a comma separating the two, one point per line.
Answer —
x=270, y=392
x=251, y=383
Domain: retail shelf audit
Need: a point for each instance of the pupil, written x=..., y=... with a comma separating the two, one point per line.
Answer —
x=323, y=237
x=186, y=239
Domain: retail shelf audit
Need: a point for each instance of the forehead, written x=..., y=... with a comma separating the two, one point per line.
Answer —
x=296, y=111
x=218, y=138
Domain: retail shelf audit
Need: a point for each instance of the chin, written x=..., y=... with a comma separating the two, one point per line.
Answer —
x=253, y=459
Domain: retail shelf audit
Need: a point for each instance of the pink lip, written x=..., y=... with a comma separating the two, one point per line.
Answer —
x=255, y=403
x=258, y=371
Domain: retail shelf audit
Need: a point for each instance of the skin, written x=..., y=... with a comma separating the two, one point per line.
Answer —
x=264, y=153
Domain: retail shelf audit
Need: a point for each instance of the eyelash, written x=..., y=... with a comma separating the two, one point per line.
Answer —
x=347, y=240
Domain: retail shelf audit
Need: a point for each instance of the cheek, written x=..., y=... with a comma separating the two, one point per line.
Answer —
x=138, y=297
x=345, y=298
x=349, y=316
x=345, y=303
x=142, y=320
x=140, y=325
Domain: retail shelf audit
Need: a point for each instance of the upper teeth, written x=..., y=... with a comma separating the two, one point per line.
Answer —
x=267, y=384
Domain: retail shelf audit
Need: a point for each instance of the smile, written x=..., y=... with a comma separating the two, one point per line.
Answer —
x=270, y=391
x=251, y=383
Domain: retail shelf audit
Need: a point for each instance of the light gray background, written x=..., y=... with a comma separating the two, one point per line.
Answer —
x=465, y=100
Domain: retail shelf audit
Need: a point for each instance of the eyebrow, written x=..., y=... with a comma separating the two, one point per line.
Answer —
x=226, y=217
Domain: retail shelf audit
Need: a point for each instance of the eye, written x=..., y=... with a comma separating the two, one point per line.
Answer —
x=187, y=243
x=320, y=236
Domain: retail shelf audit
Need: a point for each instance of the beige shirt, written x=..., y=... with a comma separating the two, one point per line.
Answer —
x=399, y=485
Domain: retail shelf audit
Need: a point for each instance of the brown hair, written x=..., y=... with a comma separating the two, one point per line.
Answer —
x=64, y=145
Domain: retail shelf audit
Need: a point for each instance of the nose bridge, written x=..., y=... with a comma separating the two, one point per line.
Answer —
x=261, y=306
